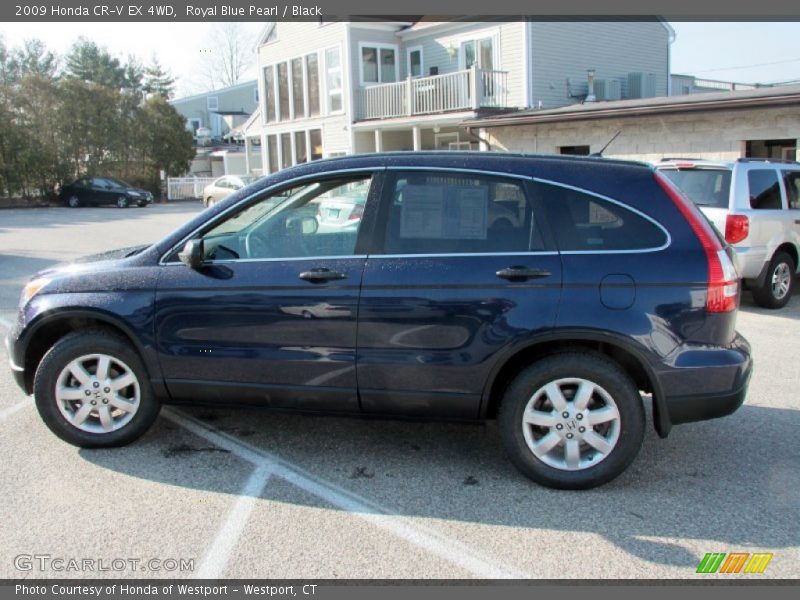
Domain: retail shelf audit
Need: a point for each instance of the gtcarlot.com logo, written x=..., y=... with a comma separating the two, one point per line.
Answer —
x=733, y=563
x=48, y=562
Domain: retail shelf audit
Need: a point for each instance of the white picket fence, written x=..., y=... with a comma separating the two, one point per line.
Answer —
x=180, y=188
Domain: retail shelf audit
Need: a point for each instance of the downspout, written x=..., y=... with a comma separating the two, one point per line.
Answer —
x=478, y=137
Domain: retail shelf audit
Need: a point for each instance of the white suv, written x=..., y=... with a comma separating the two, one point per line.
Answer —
x=756, y=203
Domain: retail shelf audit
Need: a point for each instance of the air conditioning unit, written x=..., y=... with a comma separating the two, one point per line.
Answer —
x=608, y=89
x=641, y=85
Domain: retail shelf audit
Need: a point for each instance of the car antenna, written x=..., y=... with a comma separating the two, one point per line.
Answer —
x=600, y=154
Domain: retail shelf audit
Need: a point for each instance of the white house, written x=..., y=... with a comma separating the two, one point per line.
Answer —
x=328, y=89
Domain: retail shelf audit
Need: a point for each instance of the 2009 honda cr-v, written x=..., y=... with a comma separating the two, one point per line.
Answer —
x=547, y=292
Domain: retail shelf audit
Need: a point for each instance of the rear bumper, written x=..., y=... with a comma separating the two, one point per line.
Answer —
x=702, y=383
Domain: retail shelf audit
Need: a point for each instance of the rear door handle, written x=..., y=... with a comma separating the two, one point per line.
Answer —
x=320, y=275
x=519, y=273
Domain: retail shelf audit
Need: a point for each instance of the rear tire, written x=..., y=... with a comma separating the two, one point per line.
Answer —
x=778, y=284
x=92, y=390
x=73, y=201
x=122, y=202
x=572, y=421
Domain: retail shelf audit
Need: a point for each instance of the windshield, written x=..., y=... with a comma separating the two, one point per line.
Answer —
x=704, y=187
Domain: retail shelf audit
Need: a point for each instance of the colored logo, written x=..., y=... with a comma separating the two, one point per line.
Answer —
x=735, y=562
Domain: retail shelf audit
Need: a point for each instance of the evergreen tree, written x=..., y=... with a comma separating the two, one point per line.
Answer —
x=158, y=81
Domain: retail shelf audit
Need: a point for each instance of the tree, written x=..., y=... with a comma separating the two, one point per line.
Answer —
x=88, y=62
x=157, y=80
x=231, y=55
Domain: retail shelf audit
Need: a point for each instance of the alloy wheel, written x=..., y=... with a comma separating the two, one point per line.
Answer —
x=571, y=424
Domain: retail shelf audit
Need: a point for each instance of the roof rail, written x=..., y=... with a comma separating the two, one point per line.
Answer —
x=666, y=158
x=768, y=160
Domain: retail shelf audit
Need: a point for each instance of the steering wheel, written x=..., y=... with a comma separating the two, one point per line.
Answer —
x=257, y=245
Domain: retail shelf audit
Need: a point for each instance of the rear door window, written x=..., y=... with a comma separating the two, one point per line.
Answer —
x=456, y=213
x=704, y=187
x=583, y=222
x=765, y=193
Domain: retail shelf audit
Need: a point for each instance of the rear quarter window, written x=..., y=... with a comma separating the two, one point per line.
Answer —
x=586, y=223
x=791, y=181
x=765, y=192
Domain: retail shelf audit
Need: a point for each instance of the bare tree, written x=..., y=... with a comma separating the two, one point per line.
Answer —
x=229, y=55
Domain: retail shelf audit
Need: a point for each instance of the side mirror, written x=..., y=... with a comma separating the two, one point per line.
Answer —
x=193, y=254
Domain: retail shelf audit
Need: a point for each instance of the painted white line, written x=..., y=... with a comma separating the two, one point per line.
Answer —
x=216, y=558
x=447, y=548
x=7, y=412
x=6, y=323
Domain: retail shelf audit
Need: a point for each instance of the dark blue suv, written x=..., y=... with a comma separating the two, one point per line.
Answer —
x=546, y=292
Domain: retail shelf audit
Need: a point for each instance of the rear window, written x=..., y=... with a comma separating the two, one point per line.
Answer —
x=583, y=222
x=704, y=187
x=765, y=193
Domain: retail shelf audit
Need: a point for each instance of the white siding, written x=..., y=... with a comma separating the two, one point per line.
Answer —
x=613, y=49
x=509, y=52
x=296, y=40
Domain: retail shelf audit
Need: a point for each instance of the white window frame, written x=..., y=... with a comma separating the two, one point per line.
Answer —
x=329, y=91
x=378, y=47
x=411, y=50
x=216, y=103
x=477, y=38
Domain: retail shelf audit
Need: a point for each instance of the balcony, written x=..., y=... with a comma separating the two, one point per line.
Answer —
x=470, y=89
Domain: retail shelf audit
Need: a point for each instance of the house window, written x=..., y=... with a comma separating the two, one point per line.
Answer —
x=479, y=53
x=298, y=89
x=300, y=149
x=269, y=89
x=283, y=91
x=272, y=153
x=378, y=63
x=333, y=79
x=312, y=79
x=574, y=150
x=212, y=102
x=415, y=67
x=315, y=139
x=286, y=150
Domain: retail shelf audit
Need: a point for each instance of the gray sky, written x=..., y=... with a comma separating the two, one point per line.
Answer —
x=743, y=52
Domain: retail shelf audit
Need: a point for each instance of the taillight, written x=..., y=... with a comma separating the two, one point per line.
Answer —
x=357, y=213
x=723, y=282
x=737, y=228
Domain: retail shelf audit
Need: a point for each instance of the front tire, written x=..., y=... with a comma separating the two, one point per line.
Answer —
x=92, y=390
x=572, y=421
x=779, y=283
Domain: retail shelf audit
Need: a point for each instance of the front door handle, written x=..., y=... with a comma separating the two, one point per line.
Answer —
x=320, y=275
x=520, y=273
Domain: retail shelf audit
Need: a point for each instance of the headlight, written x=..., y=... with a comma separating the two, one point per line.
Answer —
x=31, y=289
x=134, y=194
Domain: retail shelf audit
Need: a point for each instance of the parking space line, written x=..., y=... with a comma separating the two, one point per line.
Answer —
x=446, y=548
x=216, y=558
x=7, y=412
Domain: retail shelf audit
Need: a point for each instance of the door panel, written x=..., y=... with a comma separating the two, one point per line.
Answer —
x=430, y=329
x=255, y=331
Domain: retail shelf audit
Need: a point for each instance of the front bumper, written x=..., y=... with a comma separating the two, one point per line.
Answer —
x=17, y=370
x=702, y=382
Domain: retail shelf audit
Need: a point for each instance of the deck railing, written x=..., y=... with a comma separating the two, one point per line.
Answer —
x=469, y=89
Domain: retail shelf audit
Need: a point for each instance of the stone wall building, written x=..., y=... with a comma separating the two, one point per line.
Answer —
x=759, y=123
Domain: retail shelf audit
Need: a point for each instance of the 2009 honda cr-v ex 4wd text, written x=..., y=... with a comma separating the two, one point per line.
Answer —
x=545, y=292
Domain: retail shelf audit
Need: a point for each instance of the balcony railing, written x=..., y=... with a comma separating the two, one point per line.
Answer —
x=470, y=89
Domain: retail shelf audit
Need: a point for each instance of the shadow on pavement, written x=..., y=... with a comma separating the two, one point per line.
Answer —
x=734, y=482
